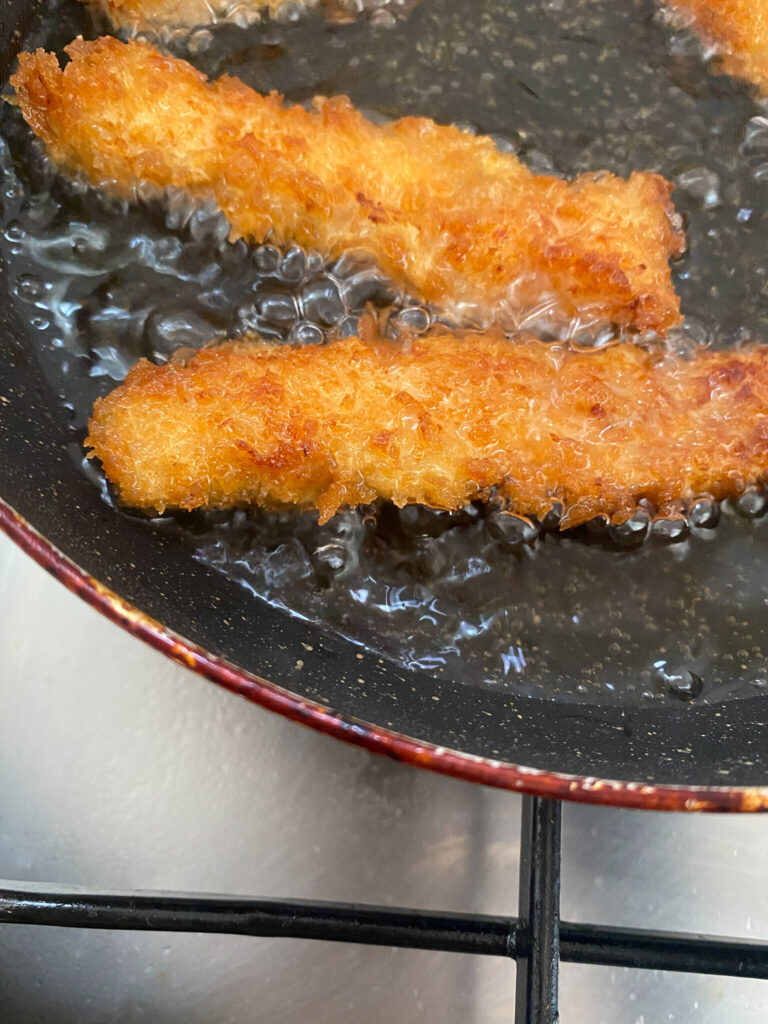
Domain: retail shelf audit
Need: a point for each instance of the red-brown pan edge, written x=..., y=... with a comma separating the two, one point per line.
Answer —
x=472, y=768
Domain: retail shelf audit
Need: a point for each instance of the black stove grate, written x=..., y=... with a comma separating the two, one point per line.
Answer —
x=537, y=939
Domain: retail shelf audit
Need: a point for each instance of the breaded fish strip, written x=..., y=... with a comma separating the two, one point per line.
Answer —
x=439, y=420
x=737, y=30
x=449, y=217
x=160, y=16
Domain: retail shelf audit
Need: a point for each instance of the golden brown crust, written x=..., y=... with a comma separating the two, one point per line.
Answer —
x=736, y=29
x=439, y=420
x=450, y=218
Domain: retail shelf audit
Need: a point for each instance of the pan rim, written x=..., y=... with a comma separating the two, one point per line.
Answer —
x=399, y=747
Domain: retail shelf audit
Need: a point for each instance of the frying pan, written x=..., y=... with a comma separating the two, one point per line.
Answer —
x=636, y=739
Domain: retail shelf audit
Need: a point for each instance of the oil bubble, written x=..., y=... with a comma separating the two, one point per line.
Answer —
x=631, y=533
x=166, y=330
x=321, y=301
x=678, y=681
x=414, y=318
x=702, y=185
x=420, y=521
x=430, y=558
x=29, y=287
x=752, y=504
x=305, y=333
x=15, y=232
x=329, y=560
x=293, y=265
x=276, y=307
x=705, y=514
x=669, y=531
x=511, y=531
x=266, y=258
x=367, y=286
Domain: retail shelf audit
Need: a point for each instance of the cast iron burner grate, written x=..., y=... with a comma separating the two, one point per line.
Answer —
x=537, y=939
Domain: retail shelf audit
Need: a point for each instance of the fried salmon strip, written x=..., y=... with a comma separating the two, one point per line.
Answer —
x=440, y=420
x=737, y=30
x=450, y=218
x=160, y=16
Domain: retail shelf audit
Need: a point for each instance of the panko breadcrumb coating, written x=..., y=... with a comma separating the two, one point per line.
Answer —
x=737, y=30
x=158, y=17
x=439, y=420
x=449, y=218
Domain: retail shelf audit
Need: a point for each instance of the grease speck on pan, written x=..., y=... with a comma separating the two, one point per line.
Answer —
x=508, y=606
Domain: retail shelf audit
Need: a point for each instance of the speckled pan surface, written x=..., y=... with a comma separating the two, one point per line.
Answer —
x=601, y=662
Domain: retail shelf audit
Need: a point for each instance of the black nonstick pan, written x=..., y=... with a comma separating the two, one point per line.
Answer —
x=616, y=665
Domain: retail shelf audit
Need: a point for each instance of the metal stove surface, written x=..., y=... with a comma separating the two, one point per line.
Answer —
x=121, y=770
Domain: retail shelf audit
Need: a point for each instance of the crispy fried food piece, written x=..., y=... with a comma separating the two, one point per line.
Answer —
x=449, y=217
x=737, y=30
x=440, y=420
x=160, y=16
